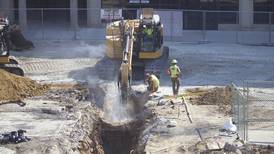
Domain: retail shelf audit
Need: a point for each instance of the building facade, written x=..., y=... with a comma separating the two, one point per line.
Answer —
x=58, y=10
x=245, y=13
x=89, y=11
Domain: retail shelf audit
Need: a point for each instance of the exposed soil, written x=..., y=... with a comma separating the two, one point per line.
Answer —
x=14, y=88
x=220, y=96
x=68, y=92
x=121, y=139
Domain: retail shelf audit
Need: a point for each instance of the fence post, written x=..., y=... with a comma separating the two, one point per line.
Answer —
x=171, y=25
x=42, y=22
x=246, y=113
x=237, y=31
x=270, y=22
x=204, y=27
x=238, y=111
x=76, y=27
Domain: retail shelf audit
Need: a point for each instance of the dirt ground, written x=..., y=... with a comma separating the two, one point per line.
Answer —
x=176, y=124
x=71, y=112
x=60, y=121
x=220, y=96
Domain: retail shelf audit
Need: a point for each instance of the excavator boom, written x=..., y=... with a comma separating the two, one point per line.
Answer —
x=125, y=71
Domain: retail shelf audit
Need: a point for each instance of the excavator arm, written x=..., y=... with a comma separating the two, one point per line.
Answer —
x=125, y=71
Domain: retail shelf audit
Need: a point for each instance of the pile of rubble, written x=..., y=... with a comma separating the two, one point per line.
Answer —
x=67, y=93
x=223, y=145
x=14, y=88
x=220, y=96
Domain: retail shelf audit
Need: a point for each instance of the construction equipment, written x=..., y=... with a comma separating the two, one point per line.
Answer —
x=138, y=44
x=7, y=62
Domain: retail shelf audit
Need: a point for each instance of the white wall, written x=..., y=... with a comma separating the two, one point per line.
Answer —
x=172, y=21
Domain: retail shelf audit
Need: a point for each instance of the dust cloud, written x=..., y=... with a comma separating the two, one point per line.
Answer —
x=114, y=110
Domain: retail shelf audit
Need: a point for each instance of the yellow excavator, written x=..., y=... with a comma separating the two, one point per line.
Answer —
x=7, y=62
x=138, y=46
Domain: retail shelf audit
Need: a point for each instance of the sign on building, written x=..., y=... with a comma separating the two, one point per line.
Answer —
x=138, y=1
x=111, y=14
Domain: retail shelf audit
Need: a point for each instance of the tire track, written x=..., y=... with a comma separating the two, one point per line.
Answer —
x=38, y=65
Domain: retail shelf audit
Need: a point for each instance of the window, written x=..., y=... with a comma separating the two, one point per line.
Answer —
x=261, y=8
x=48, y=4
x=193, y=20
x=228, y=5
x=112, y=3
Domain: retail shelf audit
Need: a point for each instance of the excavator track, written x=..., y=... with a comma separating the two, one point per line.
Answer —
x=13, y=67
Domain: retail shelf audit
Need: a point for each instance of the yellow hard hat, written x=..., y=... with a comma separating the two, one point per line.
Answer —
x=174, y=61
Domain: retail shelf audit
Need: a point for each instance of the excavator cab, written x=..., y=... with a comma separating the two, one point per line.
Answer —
x=150, y=40
x=150, y=37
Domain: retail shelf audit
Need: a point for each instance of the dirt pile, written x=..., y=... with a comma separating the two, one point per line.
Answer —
x=14, y=88
x=215, y=96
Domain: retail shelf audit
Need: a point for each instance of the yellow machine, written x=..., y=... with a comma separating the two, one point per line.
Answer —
x=138, y=44
x=6, y=62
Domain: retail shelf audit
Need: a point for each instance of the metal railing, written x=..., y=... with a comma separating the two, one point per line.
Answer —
x=179, y=25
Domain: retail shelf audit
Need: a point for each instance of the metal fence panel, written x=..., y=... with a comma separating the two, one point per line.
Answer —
x=253, y=111
x=239, y=105
x=260, y=111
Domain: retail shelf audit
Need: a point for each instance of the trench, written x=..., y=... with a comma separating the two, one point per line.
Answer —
x=122, y=137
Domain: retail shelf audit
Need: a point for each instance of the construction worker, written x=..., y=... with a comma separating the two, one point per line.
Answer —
x=153, y=82
x=148, y=31
x=174, y=73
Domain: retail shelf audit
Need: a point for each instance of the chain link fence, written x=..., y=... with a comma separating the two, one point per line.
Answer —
x=179, y=25
x=239, y=114
x=253, y=111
